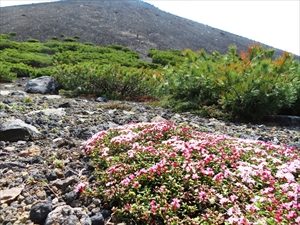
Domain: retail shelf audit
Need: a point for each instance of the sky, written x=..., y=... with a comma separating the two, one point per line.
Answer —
x=274, y=23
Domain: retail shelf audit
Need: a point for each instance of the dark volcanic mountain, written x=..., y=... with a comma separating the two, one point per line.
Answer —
x=132, y=23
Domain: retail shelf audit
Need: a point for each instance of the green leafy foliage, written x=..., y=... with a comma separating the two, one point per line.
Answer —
x=5, y=74
x=246, y=87
x=238, y=87
x=113, y=80
x=21, y=69
x=163, y=58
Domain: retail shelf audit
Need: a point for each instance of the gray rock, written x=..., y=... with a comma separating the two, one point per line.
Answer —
x=158, y=119
x=65, y=105
x=17, y=93
x=63, y=184
x=106, y=213
x=101, y=99
x=67, y=215
x=50, y=112
x=15, y=130
x=97, y=219
x=4, y=92
x=42, y=85
x=39, y=212
x=10, y=165
x=3, y=115
x=70, y=196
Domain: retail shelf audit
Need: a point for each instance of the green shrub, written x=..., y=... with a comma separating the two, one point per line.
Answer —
x=112, y=80
x=4, y=36
x=31, y=40
x=29, y=58
x=21, y=69
x=245, y=88
x=163, y=58
x=89, y=43
x=5, y=43
x=5, y=74
x=70, y=40
x=46, y=71
x=12, y=34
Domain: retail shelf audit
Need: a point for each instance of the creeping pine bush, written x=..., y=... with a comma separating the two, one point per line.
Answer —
x=160, y=173
x=245, y=87
x=113, y=80
x=6, y=75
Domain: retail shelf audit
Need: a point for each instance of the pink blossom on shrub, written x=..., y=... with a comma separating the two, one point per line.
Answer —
x=149, y=165
x=80, y=187
x=175, y=203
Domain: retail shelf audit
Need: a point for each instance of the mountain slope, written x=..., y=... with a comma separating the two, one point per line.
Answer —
x=135, y=24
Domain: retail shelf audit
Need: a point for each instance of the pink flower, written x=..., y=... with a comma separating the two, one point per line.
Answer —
x=125, y=182
x=136, y=184
x=251, y=208
x=202, y=196
x=291, y=215
x=153, y=207
x=131, y=153
x=232, y=198
x=104, y=152
x=80, y=187
x=112, y=169
x=175, y=203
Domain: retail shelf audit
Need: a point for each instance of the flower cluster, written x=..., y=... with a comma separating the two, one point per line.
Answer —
x=163, y=172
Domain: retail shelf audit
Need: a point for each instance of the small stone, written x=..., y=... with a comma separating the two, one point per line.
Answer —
x=65, y=105
x=51, y=176
x=158, y=119
x=31, y=151
x=24, y=217
x=59, y=173
x=68, y=215
x=97, y=219
x=41, y=194
x=70, y=196
x=106, y=213
x=96, y=201
x=55, y=201
x=101, y=99
x=39, y=212
x=64, y=183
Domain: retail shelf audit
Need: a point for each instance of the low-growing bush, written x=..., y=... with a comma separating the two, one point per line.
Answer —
x=164, y=58
x=5, y=74
x=70, y=40
x=32, y=40
x=113, y=81
x=32, y=59
x=21, y=69
x=245, y=88
x=160, y=173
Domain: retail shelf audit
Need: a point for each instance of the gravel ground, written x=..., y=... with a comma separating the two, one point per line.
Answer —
x=40, y=176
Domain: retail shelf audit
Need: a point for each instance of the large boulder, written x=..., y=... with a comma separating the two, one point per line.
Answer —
x=15, y=130
x=42, y=85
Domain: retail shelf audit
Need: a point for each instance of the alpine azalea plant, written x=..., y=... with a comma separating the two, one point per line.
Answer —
x=160, y=173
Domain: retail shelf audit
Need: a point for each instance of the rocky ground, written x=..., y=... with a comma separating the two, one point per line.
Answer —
x=39, y=175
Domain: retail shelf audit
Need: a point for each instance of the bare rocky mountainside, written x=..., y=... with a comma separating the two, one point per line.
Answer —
x=134, y=24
